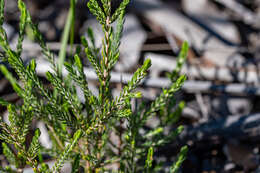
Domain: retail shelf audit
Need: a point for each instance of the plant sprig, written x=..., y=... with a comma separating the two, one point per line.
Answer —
x=81, y=132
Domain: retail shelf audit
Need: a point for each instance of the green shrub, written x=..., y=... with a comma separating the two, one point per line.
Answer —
x=81, y=132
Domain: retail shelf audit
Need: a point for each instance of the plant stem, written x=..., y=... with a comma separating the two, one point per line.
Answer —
x=105, y=62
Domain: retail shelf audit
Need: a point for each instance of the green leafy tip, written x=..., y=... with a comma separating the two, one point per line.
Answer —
x=182, y=156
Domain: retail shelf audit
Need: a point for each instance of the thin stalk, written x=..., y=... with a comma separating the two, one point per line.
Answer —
x=56, y=137
x=104, y=90
x=65, y=35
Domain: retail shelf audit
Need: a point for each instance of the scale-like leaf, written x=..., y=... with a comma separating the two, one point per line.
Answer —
x=10, y=156
x=35, y=145
x=59, y=163
x=182, y=156
x=149, y=159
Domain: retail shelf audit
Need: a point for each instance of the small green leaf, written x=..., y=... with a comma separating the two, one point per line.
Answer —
x=49, y=76
x=12, y=80
x=13, y=119
x=116, y=40
x=3, y=102
x=124, y=113
x=76, y=164
x=59, y=163
x=175, y=116
x=32, y=66
x=133, y=83
x=91, y=36
x=78, y=62
x=97, y=11
x=135, y=95
x=84, y=42
x=180, y=61
x=10, y=156
x=119, y=10
x=149, y=159
x=106, y=7
x=94, y=62
x=2, y=6
x=154, y=132
x=147, y=64
x=35, y=145
x=22, y=26
x=182, y=156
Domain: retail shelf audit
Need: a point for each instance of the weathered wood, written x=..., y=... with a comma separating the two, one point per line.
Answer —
x=237, y=126
x=245, y=14
x=206, y=15
x=198, y=71
x=183, y=28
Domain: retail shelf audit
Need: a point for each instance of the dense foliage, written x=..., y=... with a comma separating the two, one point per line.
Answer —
x=81, y=132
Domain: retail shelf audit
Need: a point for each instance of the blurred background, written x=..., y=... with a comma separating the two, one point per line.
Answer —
x=222, y=93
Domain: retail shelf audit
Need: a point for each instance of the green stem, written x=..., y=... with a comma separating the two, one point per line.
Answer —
x=65, y=35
